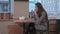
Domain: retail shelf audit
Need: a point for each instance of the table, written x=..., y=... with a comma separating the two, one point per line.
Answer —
x=25, y=21
x=29, y=20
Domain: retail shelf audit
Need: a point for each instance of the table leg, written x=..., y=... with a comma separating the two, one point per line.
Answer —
x=25, y=30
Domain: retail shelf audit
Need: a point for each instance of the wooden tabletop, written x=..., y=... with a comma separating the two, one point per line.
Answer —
x=29, y=20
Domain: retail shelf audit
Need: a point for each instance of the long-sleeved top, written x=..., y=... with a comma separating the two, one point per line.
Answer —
x=42, y=20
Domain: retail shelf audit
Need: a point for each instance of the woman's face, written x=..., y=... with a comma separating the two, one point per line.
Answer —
x=36, y=8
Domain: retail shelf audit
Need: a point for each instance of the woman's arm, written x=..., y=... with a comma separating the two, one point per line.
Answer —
x=40, y=18
x=31, y=15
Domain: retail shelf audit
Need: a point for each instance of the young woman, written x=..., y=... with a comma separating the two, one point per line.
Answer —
x=40, y=15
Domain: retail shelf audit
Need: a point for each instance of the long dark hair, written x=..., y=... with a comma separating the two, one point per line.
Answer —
x=40, y=8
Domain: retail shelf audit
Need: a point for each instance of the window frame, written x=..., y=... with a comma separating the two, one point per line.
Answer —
x=11, y=9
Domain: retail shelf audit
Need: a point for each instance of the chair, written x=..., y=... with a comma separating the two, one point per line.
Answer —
x=30, y=28
x=45, y=31
x=58, y=26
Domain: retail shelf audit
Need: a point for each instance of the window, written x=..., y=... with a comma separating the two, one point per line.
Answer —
x=52, y=7
x=31, y=5
x=5, y=6
x=6, y=9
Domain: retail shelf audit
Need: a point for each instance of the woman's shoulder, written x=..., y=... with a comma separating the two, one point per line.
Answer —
x=44, y=12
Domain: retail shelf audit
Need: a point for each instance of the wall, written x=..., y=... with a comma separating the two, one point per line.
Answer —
x=21, y=8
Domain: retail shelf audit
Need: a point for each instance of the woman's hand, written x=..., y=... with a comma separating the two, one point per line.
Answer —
x=35, y=12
